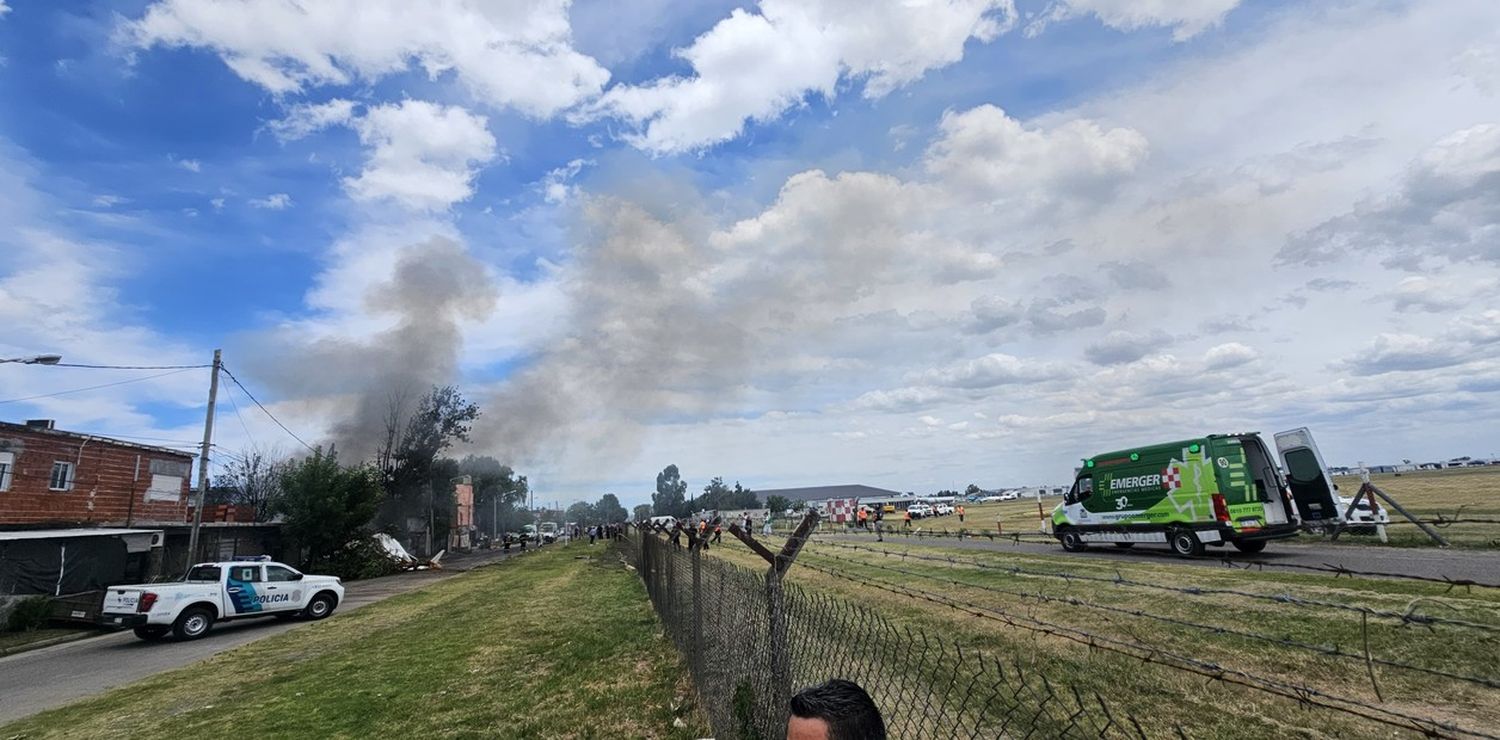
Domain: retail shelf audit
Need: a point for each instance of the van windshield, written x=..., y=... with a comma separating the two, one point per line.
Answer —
x=208, y=573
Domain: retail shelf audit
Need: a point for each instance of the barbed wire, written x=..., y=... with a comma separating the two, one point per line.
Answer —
x=1247, y=564
x=1409, y=617
x=1154, y=655
x=1331, y=651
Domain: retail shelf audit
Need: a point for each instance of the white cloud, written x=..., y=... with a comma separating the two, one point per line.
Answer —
x=4, y=8
x=1186, y=18
x=191, y=165
x=420, y=155
x=989, y=156
x=1228, y=355
x=273, y=202
x=302, y=120
x=753, y=66
x=109, y=201
x=1404, y=353
x=1419, y=293
x=992, y=370
x=516, y=55
x=217, y=203
x=557, y=186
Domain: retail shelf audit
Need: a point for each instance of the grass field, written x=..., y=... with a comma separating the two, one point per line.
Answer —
x=558, y=644
x=1223, y=629
x=1464, y=493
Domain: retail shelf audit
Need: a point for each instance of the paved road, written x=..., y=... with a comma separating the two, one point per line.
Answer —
x=1478, y=565
x=42, y=679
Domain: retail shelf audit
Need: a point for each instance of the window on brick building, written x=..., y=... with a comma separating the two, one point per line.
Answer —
x=7, y=464
x=62, y=476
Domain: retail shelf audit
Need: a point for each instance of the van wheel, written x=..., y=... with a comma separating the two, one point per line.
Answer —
x=320, y=607
x=193, y=623
x=1124, y=545
x=1249, y=547
x=1186, y=543
x=152, y=634
x=1071, y=541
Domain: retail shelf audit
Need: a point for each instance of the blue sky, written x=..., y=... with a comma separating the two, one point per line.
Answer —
x=788, y=243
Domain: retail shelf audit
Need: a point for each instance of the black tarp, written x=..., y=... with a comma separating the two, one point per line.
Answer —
x=61, y=565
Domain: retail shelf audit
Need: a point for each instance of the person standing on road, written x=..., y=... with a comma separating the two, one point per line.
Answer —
x=863, y=516
x=960, y=513
x=906, y=519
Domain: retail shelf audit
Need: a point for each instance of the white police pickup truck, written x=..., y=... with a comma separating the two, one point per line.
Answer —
x=215, y=592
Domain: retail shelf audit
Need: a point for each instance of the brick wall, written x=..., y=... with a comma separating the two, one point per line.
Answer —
x=112, y=481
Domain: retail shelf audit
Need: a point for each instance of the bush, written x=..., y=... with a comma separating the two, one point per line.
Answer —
x=30, y=614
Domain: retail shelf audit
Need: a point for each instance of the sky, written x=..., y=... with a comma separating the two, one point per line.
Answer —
x=914, y=244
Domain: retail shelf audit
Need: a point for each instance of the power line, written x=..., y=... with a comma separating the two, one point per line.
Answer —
x=96, y=387
x=131, y=367
x=262, y=407
x=236, y=407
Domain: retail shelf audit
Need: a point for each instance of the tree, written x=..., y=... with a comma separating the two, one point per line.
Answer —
x=971, y=490
x=609, y=509
x=582, y=513
x=497, y=492
x=327, y=506
x=714, y=495
x=778, y=504
x=640, y=513
x=670, y=498
x=254, y=480
x=741, y=498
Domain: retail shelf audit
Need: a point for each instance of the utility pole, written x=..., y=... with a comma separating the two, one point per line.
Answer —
x=208, y=438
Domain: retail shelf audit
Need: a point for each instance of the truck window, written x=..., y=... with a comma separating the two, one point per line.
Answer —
x=1085, y=487
x=277, y=573
x=247, y=573
x=208, y=573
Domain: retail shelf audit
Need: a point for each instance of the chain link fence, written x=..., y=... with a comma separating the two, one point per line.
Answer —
x=751, y=640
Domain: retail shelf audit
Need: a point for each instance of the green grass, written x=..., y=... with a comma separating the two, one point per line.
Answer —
x=10, y=640
x=557, y=644
x=1161, y=698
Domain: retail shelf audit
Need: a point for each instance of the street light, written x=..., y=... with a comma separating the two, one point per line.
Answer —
x=37, y=360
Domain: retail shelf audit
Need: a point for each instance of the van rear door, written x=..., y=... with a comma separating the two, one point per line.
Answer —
x=1307, y=475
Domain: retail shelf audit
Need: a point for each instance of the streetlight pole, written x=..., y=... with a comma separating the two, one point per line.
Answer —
x=208, y=436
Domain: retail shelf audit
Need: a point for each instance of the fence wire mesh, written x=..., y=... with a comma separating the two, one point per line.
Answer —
x=745, y=662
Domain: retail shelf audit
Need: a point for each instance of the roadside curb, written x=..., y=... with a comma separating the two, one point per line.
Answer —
x=39, y=644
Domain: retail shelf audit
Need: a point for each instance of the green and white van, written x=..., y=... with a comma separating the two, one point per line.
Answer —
x=1213, y=490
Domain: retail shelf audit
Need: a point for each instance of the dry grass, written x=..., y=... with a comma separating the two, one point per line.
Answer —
x=1160, y=697
x=1459, y=492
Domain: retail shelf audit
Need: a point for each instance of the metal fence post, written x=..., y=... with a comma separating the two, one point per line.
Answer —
x=781, y=673
x=697, y=660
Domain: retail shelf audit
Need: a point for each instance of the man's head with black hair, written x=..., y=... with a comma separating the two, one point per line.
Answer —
x=836, y=710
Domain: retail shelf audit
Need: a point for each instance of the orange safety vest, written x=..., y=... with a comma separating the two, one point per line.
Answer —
x=863, y=515
x=906, y=515
x=960, y=511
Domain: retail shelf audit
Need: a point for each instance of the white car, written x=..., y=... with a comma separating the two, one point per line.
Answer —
x=1009, y=496
x=1361, y=519
x=918, y=511
x=943, y=509
x=218, y=592
x=990, y=499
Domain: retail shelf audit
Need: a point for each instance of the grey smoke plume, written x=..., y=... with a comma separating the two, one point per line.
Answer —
x=672, y=318
x=435, y=287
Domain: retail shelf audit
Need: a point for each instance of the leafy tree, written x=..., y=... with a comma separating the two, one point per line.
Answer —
x=670, y=498
x=583, y=513
x=640, y=513
x=971, y=490
x=714, y=495
x=741, y=498
x=609, y=509
x=778, y=504
x=327, y=506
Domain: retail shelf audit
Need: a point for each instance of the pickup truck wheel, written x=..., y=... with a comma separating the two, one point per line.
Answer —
x=1249, y=547
x=1186, y=543
x=152, y=634
x=320, y=607
x=1071, y=541
x=193, y=623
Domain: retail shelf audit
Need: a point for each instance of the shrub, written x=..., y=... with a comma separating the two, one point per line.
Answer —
x=360, y=558
x=30, y=614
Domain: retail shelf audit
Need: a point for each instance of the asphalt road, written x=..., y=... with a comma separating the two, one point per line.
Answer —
x=1478, y=565
x=42, y=679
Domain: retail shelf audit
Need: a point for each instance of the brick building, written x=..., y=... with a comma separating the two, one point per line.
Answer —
x=50, y=477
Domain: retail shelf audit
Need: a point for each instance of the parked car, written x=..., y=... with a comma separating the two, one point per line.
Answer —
x=919, y=510
x=1010, y=496
x=943, y=509
x=990, y=499
x=219, y=592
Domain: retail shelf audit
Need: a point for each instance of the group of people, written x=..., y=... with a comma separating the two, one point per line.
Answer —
x=866, y=520
x=603, y=531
